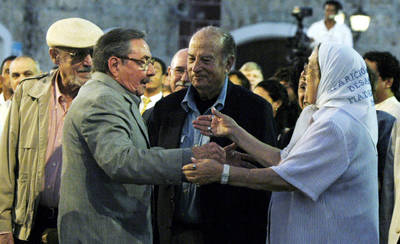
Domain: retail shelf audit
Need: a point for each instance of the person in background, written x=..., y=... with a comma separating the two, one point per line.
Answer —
x=328, y=166
x=387, y=93
x=288, y=78
x=6, y=90
x=275, y=93
x=328, y=30
x=177, y=71
x=238, y=78
x=30, y=148
x=153, y=92
x=21, y=68
x=253, y=73
x=386, y=124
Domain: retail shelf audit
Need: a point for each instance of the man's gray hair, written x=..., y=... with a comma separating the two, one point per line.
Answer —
x=227, y=42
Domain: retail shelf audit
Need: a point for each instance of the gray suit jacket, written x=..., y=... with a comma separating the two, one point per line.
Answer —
x=108, y=168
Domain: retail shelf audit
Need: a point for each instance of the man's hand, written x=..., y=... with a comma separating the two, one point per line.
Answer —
x=238, y=159
x=6, y=238
x=203, y=171
x=210, y=150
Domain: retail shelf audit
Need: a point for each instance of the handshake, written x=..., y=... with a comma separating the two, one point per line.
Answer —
x=211, y=163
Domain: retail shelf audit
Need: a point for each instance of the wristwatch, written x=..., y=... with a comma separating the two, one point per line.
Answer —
x=225, y=174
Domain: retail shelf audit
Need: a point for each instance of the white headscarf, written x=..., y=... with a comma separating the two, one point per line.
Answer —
x=344, y=84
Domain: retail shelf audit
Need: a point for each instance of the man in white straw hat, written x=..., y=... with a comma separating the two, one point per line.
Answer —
x=30, y=148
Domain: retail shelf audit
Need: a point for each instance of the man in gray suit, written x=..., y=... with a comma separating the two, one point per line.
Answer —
x=107, y=163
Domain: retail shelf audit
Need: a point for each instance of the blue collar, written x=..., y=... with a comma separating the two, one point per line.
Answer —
x=188, y=103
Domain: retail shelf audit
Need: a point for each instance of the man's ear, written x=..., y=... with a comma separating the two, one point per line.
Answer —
x=54, y=56
x=229, y=63
x=113, y=66
x=388, y=82
x=168, y=71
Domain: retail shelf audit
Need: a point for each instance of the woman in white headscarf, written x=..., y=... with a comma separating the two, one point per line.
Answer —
x=324, y=182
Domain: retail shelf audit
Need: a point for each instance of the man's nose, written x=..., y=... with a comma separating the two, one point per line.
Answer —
x=88, y=60
x=150, y=70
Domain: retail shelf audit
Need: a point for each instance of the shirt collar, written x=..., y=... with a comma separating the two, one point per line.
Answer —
x=158, y=96
x=188, y=102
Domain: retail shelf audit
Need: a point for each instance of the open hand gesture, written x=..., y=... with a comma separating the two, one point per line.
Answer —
x=217, y=124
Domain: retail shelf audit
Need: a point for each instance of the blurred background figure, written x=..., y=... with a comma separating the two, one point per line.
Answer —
x=238, y=78
x=288, y=77
x=386, y=67
x=177, y=71
x=328, y=30
x=253, y=73
x=275, y=93
x=153, y=91
x=21, y=68
x=6, y=90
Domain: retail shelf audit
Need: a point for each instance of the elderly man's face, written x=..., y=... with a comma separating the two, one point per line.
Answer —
x=22, y=68
x=178, y=74
x=74, y=65
x=136, y=69
x=206, y=66
x=312, y=79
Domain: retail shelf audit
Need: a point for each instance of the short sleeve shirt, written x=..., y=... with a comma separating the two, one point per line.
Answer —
x=334, y=168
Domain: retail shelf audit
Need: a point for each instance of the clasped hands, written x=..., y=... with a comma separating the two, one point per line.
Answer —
x=208, y=160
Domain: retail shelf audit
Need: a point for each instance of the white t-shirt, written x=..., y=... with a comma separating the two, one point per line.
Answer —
x=339, y=33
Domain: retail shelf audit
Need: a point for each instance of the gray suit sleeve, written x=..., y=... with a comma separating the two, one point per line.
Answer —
x=119, y=147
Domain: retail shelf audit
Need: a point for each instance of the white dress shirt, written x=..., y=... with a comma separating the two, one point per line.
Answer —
x=154, y=99
x=339, y=33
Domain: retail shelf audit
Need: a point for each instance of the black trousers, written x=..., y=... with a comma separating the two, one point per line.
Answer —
x=45, y=224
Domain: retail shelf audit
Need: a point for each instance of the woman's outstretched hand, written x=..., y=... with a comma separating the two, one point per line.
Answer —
x=217, y=124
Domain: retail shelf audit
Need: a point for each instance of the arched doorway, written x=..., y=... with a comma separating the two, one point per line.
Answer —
x=264, y=43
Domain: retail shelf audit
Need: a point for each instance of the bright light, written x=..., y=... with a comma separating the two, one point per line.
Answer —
x=340, y=17
x=359, y=22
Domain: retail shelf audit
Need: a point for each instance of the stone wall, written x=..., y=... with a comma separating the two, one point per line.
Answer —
x=28, y=20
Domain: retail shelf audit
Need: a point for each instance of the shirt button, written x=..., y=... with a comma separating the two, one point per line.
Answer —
x=48, y=187
x=54, y=164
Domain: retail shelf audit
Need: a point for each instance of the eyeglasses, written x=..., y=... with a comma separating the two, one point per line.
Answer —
x=143, y=64
x=77, y=53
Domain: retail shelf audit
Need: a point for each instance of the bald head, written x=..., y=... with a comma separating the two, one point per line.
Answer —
x=177, y=72
x=21, y=68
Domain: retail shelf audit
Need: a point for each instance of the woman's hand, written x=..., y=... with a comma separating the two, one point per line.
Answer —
x=217, y=124
x=203, y=171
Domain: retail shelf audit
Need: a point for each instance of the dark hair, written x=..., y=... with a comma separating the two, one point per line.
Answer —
x=163, y=66
x=388, y=67
x=9, y=58
x=242, y=77
x=373, y=78
x=278, y=92
x=275, y=90
x=228, y=44
x=113, y=43
x=338, y=5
